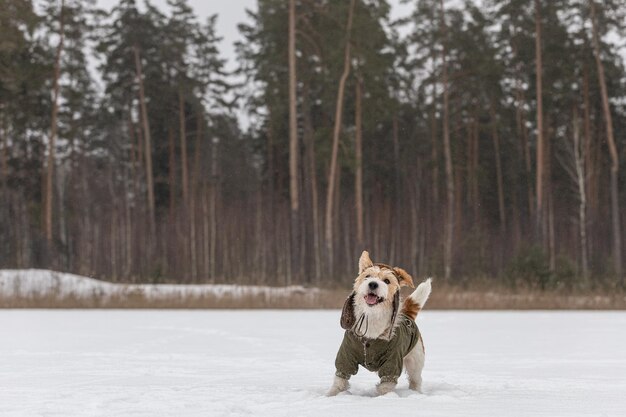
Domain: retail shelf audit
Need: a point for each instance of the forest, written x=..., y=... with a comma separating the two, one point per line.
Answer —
x=475, y=142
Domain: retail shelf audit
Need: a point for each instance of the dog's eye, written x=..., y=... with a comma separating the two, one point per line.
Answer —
x=368, y=276
x=386, y=281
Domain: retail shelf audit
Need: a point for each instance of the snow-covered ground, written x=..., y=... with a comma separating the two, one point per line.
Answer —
x=280, y=363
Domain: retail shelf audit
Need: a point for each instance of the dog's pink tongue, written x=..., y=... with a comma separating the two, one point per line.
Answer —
x=371, y=299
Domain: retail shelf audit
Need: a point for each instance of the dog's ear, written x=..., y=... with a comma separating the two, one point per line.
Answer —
x=347, y=313
x=396, y=306
x=365, y=261
x=403, y=277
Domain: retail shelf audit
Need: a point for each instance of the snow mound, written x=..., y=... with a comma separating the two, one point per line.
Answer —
x=37, y=284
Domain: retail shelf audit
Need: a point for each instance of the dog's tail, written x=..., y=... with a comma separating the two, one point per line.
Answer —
x=416, y=301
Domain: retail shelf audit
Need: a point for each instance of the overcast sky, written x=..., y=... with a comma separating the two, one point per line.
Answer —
x=231, y=13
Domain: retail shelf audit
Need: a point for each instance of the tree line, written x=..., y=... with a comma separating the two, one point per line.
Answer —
x=478, y=142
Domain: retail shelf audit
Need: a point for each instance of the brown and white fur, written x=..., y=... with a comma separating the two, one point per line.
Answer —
x=375, y=289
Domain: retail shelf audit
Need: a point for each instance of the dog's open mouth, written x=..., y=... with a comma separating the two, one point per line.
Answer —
x=373, y=299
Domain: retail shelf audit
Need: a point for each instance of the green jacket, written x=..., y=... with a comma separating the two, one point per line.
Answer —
x=377, y=355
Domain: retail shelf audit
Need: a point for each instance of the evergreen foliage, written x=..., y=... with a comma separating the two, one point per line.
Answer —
x=222, y=195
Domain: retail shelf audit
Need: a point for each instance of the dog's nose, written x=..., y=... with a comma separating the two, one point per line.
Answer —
x=373, y=285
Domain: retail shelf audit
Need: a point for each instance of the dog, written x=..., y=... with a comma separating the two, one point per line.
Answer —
x=376, y=336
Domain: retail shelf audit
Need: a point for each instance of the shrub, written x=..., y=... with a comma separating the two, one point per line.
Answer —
x=531, y=267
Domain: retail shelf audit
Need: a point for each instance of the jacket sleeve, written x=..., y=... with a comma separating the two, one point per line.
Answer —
x=391, y=369
x=346, y=362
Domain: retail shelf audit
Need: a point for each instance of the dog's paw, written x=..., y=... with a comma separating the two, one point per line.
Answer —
x=333, y=391
x=339, y=385
x=415, y=386
x=385, y=387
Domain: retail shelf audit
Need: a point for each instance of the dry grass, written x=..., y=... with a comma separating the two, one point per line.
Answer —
x=455, y=298
x=316, y=299
x=443, y=297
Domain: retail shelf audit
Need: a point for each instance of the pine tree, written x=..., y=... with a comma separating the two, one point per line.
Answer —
x=608, y=120
x=129, y=39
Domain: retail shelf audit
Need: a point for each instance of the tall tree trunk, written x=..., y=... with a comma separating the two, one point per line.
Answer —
x=213, y=206
x=469, y=167
x=293, y=146
x=332, y=175
x=449, y=223
x=432, y=225
x=522, y=129
x=587, y=125
x=4, y=166
x=206, y=244
x=113, y=226
x=415, y=208
x=434, y=156
x=433, y=207
x=309, y=139
x=496, y=146
x=183, y=148
x=140, y=141
x=270, y=160
x=615, y=209
x=522, y=132
x=148, y=142
x=540, y=141
x=590, y=170
x=472, y=162
x=134, y=155
x=579, y=164
x=551, y=227
x=195, y=170
x=397, y=185
x=128, y=226
x=358, y=151
x=270, y=224
x=193, y=241
x=49, y=191
x=550, y=238
x=172, y=172
x=186, y=218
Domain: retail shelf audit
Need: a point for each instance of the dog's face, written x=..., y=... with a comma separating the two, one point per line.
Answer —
x=376, y=291
x=375, y=286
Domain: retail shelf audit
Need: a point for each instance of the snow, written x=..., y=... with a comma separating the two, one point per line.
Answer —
x=34, y=283
x=280, y=363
